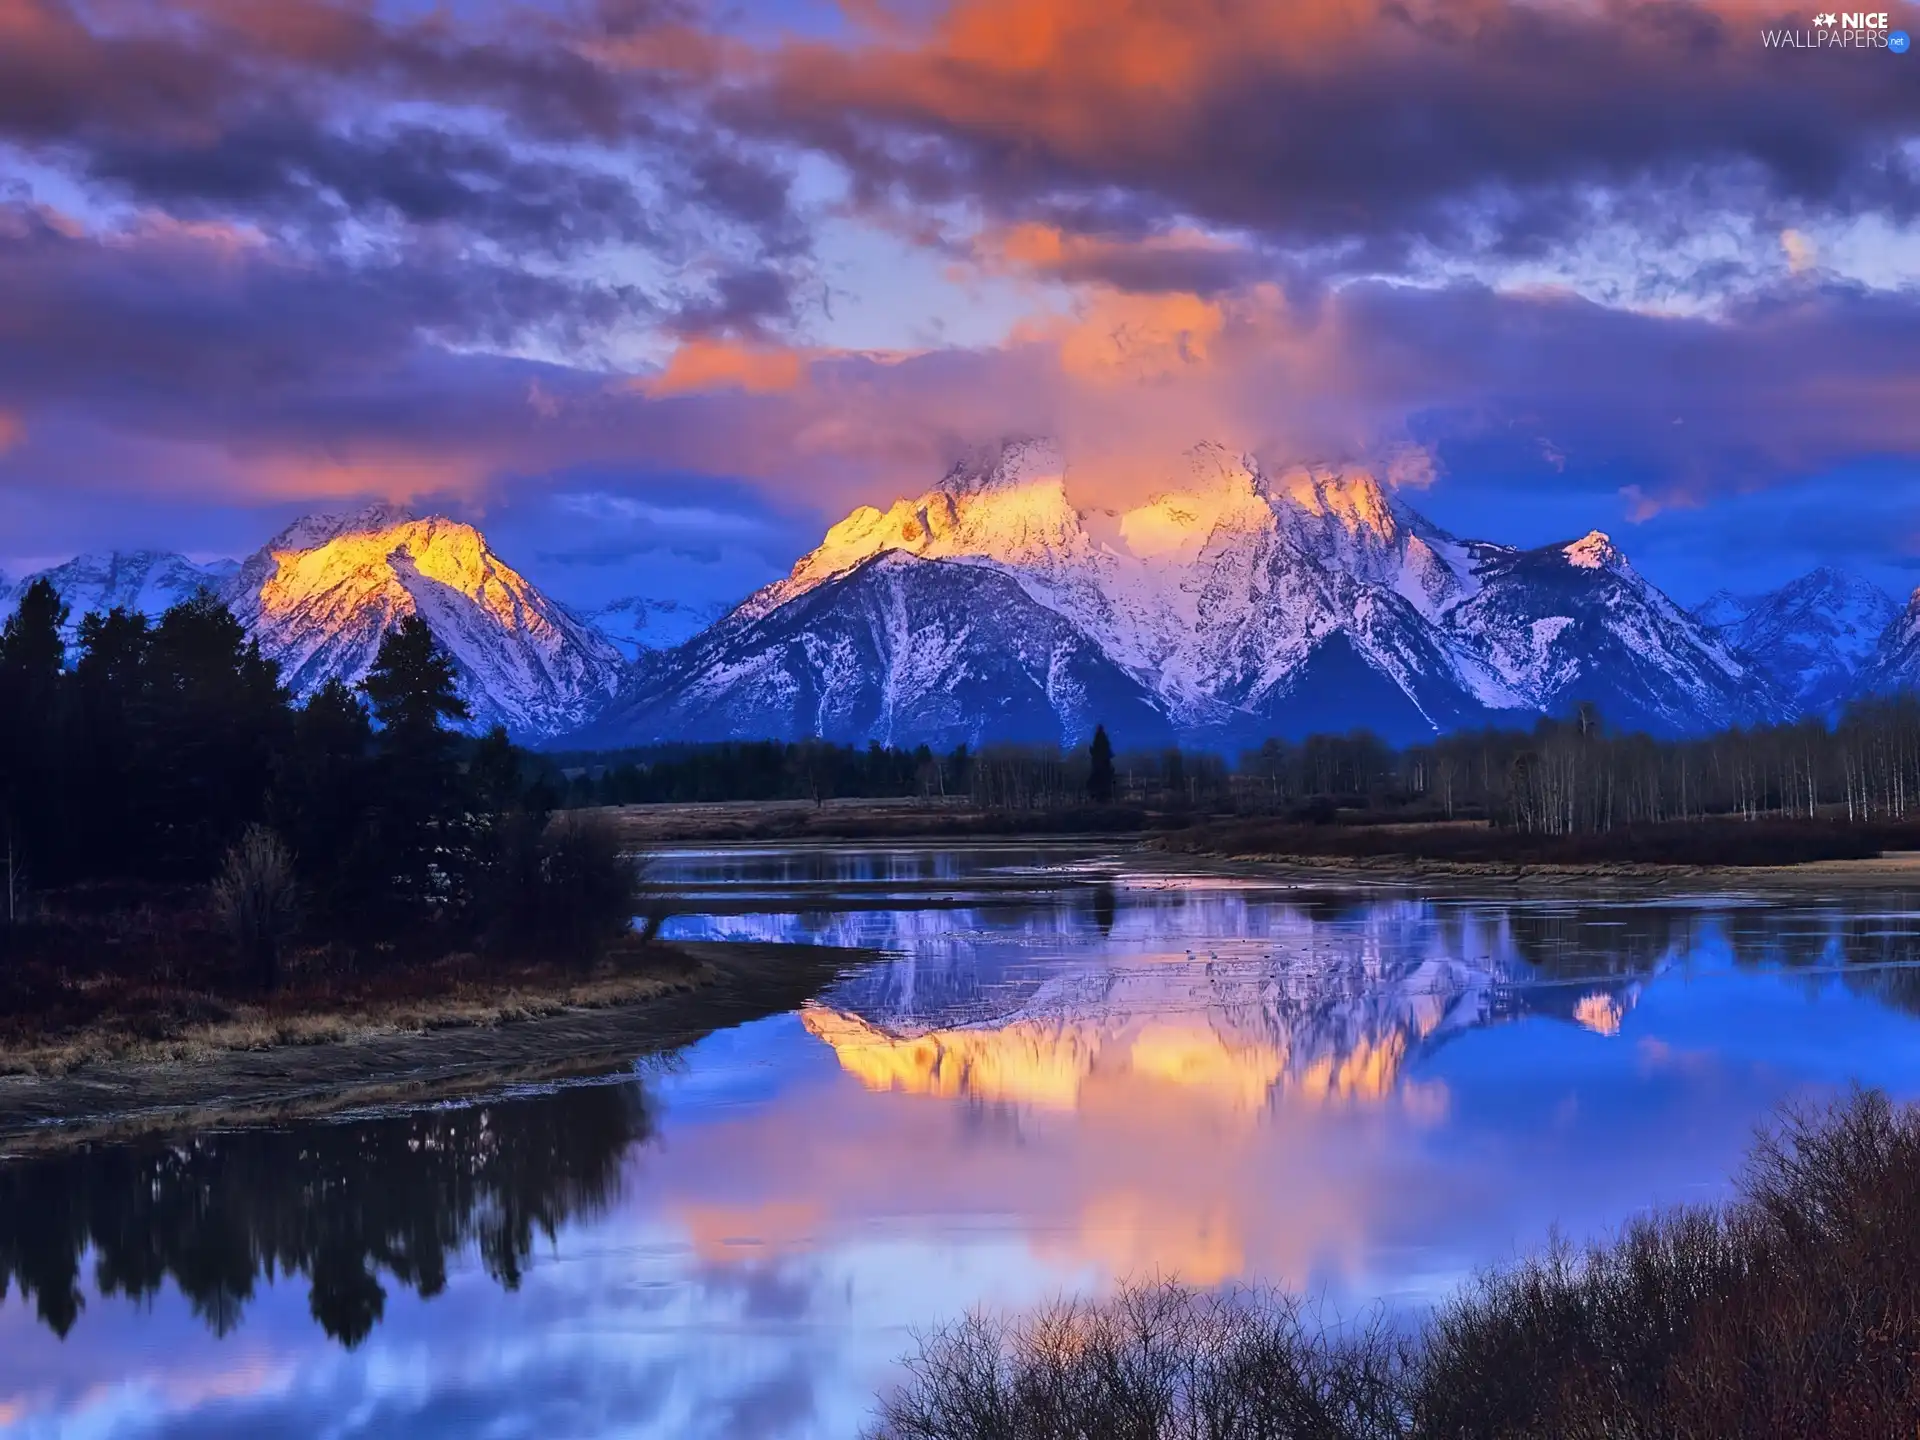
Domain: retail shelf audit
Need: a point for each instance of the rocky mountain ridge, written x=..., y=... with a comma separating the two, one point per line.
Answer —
x=1231, y=605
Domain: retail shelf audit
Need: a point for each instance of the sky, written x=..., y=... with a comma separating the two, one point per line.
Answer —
x=655, y=290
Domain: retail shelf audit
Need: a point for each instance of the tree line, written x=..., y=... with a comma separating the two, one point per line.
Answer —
x=167, y=752
x=994, y=777
x=1567, y=775
x=1576, y=775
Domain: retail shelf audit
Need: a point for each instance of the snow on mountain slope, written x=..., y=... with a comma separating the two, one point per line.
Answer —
x=1812, y=637
x=1216, y=592
x=323, y=592
x=1895, y=662
x=898, y=650
x=148, y=582
x=641, y=625
x=1723, y=609
x=1250, y=604
x=1576, y=622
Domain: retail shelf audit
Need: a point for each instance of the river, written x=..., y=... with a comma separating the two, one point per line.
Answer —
x=1078, y=1065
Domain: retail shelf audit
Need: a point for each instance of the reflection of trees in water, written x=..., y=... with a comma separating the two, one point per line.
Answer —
x=1106, y=905
x=1595, y=938
x=1881, y=952
x=338, y=1203
x=1877, y=952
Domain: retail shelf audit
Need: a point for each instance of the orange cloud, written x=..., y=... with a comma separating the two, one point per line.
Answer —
x=1179, y=259
x=699, y=365
x=1120, y=336
x=391, y=473
x=12, y=431
x=1047, y=247
x=204, y=239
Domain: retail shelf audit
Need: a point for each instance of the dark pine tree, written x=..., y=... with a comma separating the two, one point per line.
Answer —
x=324, y=796
x=412, y=689
x=219, y=718
x=113, y=740
x=495, y=776
x=32, y=691
x=1100, y=776
x=413, y=684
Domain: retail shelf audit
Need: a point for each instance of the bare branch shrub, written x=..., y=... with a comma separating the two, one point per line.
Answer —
x=1155, y=1361
x=256, y=899
x=1792, y=1312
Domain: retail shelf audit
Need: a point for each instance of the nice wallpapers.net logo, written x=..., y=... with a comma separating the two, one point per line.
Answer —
x=1843, y=30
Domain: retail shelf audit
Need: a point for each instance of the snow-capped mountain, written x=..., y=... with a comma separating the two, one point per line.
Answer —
x=641, y=625
x=147, y=582
x=1895, y=662
x=1813, y=637
x=1567, y=623
x=897, y=649
x=320, y=595
x=1246, y=605
x=1232, y=605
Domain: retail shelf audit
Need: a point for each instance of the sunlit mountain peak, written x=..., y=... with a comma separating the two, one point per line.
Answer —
x=323, y=592
x=1593, y=551
x=1351, y=497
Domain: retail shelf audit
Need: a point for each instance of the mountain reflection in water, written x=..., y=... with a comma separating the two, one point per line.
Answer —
x=1074, y=1065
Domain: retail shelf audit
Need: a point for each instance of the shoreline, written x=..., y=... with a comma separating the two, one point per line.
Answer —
x=1893, y=871
x=725, y=984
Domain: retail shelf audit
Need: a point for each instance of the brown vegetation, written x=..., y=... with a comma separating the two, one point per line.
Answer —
x=1794, y=1311
x=256, y=899
x=1720, y=842
x=419, y=1053
x=142, y=971
x=879, y=819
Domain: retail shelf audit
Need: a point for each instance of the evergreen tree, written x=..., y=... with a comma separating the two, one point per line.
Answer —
x=32, y=657
x=412, y=685
x=113, y=741
x=412, y=691
x=323, y=797
x=219, y=717
x=32, y=649
x=494, y=776
x=1100, y=777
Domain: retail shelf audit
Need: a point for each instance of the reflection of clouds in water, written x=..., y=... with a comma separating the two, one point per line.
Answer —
x=1368, y=1096
x=577, y=1395
x=482, y=1363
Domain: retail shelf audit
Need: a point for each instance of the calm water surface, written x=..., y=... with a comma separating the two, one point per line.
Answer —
x=1078, y=1067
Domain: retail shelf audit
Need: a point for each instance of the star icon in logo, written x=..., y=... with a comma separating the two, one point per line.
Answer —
x=1827, y=18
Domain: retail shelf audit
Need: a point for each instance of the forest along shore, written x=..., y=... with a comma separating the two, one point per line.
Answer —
x=1803, y=853
x=395, y=1059
x=1338, y=847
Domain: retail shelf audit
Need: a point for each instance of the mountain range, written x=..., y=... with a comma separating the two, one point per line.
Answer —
x=319, y=595
x=1231, y=606
x=1234, y=604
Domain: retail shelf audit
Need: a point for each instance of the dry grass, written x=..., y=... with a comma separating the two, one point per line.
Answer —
x=586, y=1025
x=1472, y=846
x=323, y=1002
x=933, y=817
